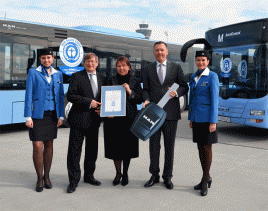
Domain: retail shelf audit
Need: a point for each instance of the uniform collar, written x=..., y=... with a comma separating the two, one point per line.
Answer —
x=205, y=72
x=39, y=69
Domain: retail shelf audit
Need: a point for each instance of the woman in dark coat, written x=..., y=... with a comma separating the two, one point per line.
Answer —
x=120, y=144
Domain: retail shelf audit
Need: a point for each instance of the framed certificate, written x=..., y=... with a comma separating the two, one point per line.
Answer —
x=113, y=99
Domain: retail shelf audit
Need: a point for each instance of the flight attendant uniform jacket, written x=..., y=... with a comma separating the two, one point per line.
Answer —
x=36, y=91
x=204, y=97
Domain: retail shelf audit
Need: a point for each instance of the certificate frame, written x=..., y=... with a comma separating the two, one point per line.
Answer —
x=113, y=100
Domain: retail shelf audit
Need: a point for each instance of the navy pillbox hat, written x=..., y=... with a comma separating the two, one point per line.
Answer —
x=46, y=51
x=202, y=53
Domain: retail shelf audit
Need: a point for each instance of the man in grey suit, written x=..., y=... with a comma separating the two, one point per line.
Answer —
x=157, y=78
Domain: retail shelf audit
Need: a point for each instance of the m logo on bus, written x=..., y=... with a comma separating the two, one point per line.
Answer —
x=220, y=38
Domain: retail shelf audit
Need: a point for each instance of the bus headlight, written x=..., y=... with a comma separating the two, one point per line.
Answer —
x=257, y=113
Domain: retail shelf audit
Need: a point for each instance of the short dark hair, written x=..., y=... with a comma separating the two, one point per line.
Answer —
x=160, y=42
x=123, y=59
x=89, y=56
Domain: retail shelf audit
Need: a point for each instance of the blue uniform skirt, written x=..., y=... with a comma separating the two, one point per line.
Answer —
x=201, y=134
x=44, y=129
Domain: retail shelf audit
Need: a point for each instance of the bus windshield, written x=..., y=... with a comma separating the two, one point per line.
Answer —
x=242, y=71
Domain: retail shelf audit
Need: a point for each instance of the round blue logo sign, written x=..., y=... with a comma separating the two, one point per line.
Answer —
x=71, y=52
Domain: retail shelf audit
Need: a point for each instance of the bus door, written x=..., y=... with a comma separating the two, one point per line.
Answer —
x=17, y=55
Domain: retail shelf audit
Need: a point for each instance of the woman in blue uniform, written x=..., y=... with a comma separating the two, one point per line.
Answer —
x=120, y=143
x=44, y=112
x=203, y=114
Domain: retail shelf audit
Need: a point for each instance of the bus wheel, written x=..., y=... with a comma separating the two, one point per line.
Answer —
x=183, y=103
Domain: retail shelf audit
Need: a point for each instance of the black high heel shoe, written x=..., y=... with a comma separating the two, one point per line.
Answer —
x=204, y=188
x=117, y=179
x=39, y=189
x=124, y=181
x=47, y=186
x=199, y=186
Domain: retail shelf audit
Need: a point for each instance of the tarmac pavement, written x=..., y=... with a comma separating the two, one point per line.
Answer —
x=240, y=179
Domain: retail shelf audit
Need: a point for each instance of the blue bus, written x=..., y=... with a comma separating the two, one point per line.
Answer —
x=239, y=55
x=19, y=51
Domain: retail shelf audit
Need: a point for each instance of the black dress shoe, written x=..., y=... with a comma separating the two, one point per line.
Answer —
x=168, y=183
x=153, y=180
x=124, y=181
x=117, y=179
x=48, y=185
x=91, y=180
x=71, y=188
x=39, y=189
x=199, y=186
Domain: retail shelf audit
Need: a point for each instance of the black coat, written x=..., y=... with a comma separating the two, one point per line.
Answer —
x=153, y=91
x=80, y=94
x=119, y=142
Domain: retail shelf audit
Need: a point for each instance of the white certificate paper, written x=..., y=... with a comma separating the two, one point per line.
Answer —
x=113, y=101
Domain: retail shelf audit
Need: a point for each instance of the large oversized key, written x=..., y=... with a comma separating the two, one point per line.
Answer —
x=150, y=119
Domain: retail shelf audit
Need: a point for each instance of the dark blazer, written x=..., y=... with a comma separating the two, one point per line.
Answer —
x=35, y=95
x=154, y=91
x=80, y=94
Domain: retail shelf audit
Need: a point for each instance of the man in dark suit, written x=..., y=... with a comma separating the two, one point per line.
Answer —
x=157, y=78
x=84, y=94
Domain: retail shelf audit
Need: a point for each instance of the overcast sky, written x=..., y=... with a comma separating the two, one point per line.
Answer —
x=182, y=19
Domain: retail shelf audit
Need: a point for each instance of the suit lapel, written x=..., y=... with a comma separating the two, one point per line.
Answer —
x=201, y=79
x=99, y=81
x=87, y=83
x=55, y=78
x=168, y=71
x=39, y=71
x=154, y=72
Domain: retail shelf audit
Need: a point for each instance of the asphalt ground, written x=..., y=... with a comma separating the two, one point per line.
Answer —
x=239, y=172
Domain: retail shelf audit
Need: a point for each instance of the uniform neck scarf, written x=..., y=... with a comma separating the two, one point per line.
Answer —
x=199, y=72
x=44, y=70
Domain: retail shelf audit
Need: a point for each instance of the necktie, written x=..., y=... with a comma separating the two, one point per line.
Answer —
x=160, y=74
x=93, y=85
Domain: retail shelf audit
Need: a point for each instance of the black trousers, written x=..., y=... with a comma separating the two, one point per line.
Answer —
x=75, y=148
x=169, y=131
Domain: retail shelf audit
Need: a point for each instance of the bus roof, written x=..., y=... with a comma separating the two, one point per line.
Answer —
x=88, y=28
x=238, y=34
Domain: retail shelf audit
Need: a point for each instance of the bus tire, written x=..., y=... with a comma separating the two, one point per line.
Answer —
x=183, y=102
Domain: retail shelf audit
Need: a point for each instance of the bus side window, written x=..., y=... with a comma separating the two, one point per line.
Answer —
x=5, y=62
